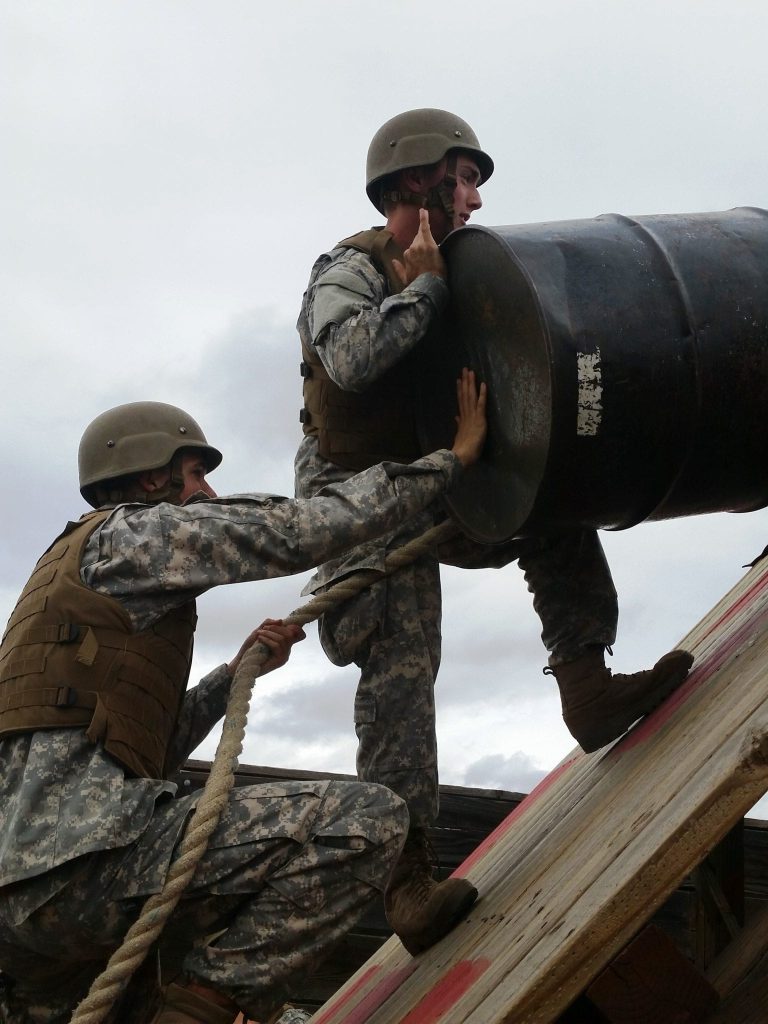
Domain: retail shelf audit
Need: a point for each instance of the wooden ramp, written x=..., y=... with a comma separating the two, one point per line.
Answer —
x=569, y=878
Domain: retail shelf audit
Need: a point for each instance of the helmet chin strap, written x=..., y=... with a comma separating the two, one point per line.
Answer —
x=130, y=492
x=445, y=190
x=439, y=196
x=171, y=491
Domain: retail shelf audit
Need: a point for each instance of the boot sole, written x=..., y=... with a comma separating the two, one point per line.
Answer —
x=446, y=921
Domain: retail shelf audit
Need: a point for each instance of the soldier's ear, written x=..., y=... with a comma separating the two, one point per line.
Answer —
x=421, y=179
x=151, y=480
x=413, y=179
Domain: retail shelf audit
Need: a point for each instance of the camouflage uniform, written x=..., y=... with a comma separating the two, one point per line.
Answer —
x=290, y=866
x=392, y=631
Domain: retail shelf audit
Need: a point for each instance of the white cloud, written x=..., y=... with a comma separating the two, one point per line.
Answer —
x=175, y=170
x=517, y=773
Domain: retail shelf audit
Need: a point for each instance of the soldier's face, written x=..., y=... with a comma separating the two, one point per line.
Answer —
x=193, y=471
x=466, y=199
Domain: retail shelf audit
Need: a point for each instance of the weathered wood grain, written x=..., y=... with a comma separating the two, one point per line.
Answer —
x=593, y=852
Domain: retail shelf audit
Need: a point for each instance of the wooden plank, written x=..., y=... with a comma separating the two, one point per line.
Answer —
x=651, y=981
x=719, y=885
x=748, y=952
x=589, y=856
x=747, y=1003
x=677, y=916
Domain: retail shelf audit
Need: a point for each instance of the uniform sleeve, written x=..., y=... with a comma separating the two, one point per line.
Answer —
x=201, y=709
x=358, y=330
x=153, y=558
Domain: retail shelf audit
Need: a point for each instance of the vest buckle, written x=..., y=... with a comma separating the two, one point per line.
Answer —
x=305, y=369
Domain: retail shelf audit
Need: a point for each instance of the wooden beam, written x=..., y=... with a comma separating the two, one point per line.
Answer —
x=746, y=1002
x=720, y=902
x=742, y=956
x=650, y=982
x=587, y=858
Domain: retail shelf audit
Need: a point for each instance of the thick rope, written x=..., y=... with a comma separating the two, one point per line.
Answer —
x=145, y=931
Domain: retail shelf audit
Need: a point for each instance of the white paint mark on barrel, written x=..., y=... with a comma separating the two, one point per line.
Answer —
x=590, y=378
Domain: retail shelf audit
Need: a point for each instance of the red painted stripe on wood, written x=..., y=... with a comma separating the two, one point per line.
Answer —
x=706, y=668
x=650, y=723
x=646, y=728
x=339, y=1004
x=503, y=827
x=447, y=991
x=378, y=995
x=746, y=598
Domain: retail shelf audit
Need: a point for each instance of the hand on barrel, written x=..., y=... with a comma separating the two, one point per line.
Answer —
x=471, y=424
x=422, y=256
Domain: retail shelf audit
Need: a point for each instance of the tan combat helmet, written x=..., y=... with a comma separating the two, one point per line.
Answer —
x=134, y=437
x=417, y=138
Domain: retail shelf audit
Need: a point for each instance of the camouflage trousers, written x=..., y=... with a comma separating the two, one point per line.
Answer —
x=392, y=632
x=288, y=871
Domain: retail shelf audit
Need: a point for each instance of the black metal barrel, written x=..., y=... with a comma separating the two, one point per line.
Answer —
x=627, y=363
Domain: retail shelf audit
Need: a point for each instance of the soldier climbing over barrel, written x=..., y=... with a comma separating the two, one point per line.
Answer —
x=369, y=304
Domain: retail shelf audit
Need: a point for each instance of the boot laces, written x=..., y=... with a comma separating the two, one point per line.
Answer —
x=424, y=864
x=420, y=845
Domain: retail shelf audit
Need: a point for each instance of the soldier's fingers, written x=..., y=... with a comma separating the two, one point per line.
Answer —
x=270, y=639
x=270, y=622
x=292, y=633
x=466, y=389
x=425, y=232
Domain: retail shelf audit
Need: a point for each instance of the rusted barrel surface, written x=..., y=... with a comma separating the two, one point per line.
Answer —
x=627, y=362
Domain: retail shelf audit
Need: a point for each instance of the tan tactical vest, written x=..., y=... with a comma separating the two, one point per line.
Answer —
x=70, y=657
x=358, y=430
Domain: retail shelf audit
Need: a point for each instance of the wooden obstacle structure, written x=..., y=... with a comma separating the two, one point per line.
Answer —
x=569, y=879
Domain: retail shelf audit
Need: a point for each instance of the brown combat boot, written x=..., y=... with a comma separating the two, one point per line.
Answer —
x=181, y=1006
x=598, y=706
x=420, y=910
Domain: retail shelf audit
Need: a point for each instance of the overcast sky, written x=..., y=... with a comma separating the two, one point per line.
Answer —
x=172, y=168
